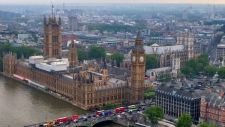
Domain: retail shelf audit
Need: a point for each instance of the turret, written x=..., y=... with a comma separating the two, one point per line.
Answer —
x=73, y=58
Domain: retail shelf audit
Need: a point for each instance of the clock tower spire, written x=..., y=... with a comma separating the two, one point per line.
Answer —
x=138, y=71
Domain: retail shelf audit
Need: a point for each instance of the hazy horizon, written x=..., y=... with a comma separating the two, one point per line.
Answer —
x=47, y=2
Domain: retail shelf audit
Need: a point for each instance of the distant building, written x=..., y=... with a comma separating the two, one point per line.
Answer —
x=163, y=41
x=23, y=36
x=174, y=56
x=66, y=37
x=73, y=23
x=220, y=50
x=203, y=41
x=187, y=39
x=3, y=27
x=157, y=73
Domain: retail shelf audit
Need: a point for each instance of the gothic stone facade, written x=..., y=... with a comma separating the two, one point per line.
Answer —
x=86, y=89
x=85, y=85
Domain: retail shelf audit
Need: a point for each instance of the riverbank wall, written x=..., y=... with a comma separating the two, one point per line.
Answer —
x=47, y=91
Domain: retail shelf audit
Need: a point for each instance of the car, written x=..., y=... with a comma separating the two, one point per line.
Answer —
x=62, y=120
x=89, y=116
x=108, y=113
x=119, y=116
x=99, y=113
x=120, y=110
x=49, y=124
x=74, y=118
x=83, y=118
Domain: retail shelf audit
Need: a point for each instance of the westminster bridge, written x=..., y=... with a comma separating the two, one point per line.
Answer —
x=90, y=120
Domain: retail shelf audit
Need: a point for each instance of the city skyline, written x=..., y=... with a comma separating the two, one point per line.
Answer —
x=112, y=1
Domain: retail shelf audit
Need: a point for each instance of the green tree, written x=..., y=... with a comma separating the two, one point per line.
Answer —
x=184, y=121
x=96, y=52
x=221, y=72
x=195, y=66
x=203, y=59
x=210, y=70
x=82, y=54
x=154, y=114
x=110, y=106
x=118, y=57
x=149, y=94
x=187, y=71
x=25, y=51
x=164, y=77
x=151, y=61
x=206, y=125
x=20, y=51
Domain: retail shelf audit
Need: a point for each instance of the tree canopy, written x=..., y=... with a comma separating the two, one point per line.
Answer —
x=149, y=94
x=110, y=106
x=19, y=50
x=114, y=28
x=195, y=66
x=201, y=65
x=96, y=52
x=221, y=72
x=184, y=121
x=154, y=114
x=151, y=61
x=118, y=57
x=210, y=70
x=206, y=125
x=82, y=54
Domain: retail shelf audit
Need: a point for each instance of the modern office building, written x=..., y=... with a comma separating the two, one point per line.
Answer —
x=176, y=101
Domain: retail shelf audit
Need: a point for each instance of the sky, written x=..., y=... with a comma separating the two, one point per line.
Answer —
x=110, y=1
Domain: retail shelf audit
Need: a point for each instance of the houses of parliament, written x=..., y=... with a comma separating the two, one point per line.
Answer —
x=87, y=84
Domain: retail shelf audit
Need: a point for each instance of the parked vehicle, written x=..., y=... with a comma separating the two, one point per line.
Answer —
x=74, y=118
x=132, y=108
x=120, y=110
x=62, y=120
x=83, y=118
x=99, y=113
x=48, y=124
x=108, y=113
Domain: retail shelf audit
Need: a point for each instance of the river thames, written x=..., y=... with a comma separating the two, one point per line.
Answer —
x=22, y=105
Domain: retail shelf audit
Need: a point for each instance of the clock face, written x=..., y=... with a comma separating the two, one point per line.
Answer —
x=141, y=59
x=133, y=58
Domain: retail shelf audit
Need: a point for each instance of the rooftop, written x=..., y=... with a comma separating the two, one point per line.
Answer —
x=194, y=88
x=156, y=49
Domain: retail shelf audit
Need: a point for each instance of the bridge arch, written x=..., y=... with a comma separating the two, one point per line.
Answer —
x=106, y=122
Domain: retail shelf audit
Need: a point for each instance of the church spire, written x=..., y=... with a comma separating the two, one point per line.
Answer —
x=139, y=42
x=53, y=15
x=138, y=35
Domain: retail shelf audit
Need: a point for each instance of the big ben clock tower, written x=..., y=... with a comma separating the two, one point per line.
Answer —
x=138, y=71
